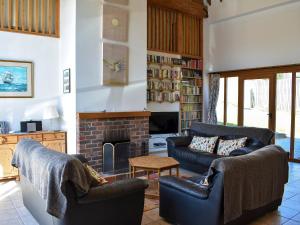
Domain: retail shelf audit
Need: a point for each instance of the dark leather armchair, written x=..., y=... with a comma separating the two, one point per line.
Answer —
x=185, y=202
x=121, y=202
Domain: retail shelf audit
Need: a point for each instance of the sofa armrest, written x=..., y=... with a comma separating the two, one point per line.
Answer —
x=114, y=190
x=178, y=141
x=185, y=186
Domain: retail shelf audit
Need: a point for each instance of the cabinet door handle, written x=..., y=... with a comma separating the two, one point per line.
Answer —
x=3, y=140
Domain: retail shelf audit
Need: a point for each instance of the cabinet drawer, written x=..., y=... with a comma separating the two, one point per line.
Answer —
x=37, y=137
x=54, y=136
x=8, y=139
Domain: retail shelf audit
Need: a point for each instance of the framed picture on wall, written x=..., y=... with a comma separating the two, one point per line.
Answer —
x=66, y=81
x=115, y=23
x=16, y=79
x=115, y=64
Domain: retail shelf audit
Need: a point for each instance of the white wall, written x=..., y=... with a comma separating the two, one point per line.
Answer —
x=91, y=96
x=245, y=34
x=43, y=52
x=67, y=56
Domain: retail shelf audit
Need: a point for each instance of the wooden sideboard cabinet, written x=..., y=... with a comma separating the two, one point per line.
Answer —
x=53, y=140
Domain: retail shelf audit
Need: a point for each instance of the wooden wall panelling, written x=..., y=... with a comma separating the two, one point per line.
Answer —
x=2, y=13
x=191, y=7
x=17, y=15
x=9, y=14
x=40, y=17
x=37, y=16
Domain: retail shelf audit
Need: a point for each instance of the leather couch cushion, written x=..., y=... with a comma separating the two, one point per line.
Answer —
x=202, y=158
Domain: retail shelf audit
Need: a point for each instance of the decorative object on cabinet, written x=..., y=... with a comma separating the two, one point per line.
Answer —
x=50, y=113
x=115, y=23
x=67, y=81
x=31, y=126
x=121, y=2
x=4, y=129
x=16, y=79
x=115, y=68
x=52, y=140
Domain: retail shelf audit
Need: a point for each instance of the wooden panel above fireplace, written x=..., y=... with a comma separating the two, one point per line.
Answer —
x=110, y=115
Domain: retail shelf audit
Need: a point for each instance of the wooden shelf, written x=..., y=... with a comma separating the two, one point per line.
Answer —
x=164, y=64
x=109, y=115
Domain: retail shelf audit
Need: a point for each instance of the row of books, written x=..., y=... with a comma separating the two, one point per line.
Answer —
x=163, y=59
x=191, y=107
x=192, y=63
x=191, y=73
x=191, y=98
x=186, y=124
x=163, y=85
x=191, y=115
x=163, y=73
x=191, y=90
x=157, y=96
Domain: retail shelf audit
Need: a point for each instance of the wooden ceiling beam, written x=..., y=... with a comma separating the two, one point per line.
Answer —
x=191, y=7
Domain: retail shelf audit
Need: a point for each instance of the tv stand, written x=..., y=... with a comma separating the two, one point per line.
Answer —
x=158, y=143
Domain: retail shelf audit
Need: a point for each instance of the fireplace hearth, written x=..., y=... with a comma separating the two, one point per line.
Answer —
x=124, y=134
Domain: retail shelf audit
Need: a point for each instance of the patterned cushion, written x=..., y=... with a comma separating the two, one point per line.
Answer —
x=203, y=144
x=98, y=180
x=227, y=146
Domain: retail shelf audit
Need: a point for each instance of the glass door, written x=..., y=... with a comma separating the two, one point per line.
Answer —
x=256, y=106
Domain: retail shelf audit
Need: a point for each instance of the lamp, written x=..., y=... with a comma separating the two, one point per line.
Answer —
x=50, y=113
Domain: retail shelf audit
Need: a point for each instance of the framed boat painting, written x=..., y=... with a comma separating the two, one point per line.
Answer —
x=16, y=79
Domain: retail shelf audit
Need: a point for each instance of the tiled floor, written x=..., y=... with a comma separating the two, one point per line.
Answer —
x=12, y=211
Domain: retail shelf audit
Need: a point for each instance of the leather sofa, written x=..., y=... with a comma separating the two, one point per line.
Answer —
x=194, y=202
x=185, y=202
x=121, y=202
x=199, y=162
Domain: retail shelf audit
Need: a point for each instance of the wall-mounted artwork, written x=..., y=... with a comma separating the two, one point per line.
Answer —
x=115, y=64
x=121, y=2
x=66, y=81
x=115, y=23
x=16, y=79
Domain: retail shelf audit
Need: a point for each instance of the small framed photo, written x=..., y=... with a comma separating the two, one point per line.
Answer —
x=16, y=79
x=67, y=81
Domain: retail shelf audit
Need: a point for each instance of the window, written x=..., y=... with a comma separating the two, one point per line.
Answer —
x=232, y=101
x=297, y=118
x=283, y=110
x=220, y=104
x=39, y=17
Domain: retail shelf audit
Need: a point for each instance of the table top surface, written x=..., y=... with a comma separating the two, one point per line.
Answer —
x=153, y=162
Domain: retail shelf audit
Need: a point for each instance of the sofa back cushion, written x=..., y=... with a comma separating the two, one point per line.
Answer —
x=225, y=147
x=203, y=144
x=261, y=135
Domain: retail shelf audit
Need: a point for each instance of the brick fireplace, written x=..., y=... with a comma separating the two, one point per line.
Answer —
x=92, y=129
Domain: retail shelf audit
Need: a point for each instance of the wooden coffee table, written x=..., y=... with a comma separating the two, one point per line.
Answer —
x=153, y=164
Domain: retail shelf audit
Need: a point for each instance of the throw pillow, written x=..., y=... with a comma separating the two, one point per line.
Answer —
x=227, y=146
x=203, y=144
x=97, y=179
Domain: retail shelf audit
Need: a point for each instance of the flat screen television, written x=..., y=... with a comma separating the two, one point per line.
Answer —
x=163, y=122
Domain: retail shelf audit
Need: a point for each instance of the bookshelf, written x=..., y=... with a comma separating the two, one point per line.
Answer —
x=178, y=80
x=163, y=79
x=191, y=92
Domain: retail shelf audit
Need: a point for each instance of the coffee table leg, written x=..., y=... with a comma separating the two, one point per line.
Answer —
x=159, y=173
x=133, y=172
x=177, y=171
x=170, y=172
